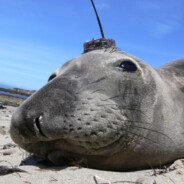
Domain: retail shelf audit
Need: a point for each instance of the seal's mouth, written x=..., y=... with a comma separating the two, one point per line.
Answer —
x=74, y=147
x=62, y=152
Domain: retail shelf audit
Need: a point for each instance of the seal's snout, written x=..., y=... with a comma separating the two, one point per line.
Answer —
x=17, y=133
x=41, y=119
x=26, y=128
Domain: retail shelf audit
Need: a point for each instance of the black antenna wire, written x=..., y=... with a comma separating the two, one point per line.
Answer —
x=99, y=23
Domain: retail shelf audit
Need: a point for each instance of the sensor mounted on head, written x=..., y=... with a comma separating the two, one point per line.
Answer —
x=101, y=43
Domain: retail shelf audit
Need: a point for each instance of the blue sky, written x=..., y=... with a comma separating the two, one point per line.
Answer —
x=38, y=36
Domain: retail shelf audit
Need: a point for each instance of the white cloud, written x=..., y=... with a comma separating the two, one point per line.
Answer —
x=102, y=5
x=22, y=61
x=29, y=52
x=23, y=67
x=160, y=18
x=162, y=29
x=21, y=73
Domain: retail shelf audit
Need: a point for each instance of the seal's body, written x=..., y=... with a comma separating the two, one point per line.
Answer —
x=109, y=109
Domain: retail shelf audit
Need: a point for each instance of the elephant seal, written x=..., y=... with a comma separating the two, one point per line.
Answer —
x=107, y=109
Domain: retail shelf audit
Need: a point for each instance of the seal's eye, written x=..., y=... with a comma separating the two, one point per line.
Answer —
x=52, y=76
x=128, y=66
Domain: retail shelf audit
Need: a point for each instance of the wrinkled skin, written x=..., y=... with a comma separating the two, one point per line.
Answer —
x=106, y=114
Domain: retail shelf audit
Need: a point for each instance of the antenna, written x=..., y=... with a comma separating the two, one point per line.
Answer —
x=102, y=43
x=98, y=19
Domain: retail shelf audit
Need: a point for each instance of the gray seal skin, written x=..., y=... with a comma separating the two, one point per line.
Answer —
x=107, y=109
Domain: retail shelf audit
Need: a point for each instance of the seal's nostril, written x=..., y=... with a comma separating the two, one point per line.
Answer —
x=38, y=121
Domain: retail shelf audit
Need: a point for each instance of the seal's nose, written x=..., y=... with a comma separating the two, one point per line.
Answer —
x=38, y=122
x=18, y=131
x=25, y=128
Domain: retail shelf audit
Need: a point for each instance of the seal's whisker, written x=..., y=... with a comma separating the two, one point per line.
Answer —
x=118, y=96
x=155, y=131
x=110, y=98
x=90, y=84
x=147, y=124
x=132, y=109
x=106, y=105
x=98, y=80
x=142, y=145
x=96, y=91
x=143, y=137
x=133, y=121
x=125, y=107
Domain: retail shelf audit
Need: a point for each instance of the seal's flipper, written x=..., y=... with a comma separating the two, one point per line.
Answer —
x=177, y=64
x=175, y=69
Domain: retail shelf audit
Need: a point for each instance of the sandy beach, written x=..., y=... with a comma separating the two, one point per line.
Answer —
x=19, y=167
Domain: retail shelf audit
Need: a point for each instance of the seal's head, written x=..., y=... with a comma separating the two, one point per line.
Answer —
x=104, y=107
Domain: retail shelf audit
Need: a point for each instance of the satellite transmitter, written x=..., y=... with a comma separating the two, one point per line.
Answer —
x=101, y=43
